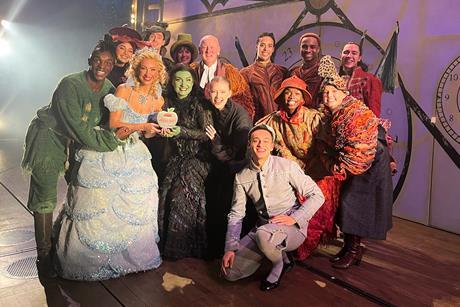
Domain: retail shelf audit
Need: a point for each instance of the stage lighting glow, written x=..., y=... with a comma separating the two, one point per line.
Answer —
x=5, y=47
x=2, y=122
x=6, y=24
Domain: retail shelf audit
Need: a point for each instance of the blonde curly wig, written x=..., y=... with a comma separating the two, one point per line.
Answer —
x=134, y=67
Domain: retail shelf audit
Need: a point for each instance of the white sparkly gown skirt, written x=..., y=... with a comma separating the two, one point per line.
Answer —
x=108, y=227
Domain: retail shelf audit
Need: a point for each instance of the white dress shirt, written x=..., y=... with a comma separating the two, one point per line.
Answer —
x=208, y=74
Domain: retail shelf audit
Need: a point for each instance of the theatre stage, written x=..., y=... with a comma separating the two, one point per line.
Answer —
x=416, y=266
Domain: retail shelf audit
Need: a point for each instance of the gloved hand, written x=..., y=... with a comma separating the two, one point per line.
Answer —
x=172, y=132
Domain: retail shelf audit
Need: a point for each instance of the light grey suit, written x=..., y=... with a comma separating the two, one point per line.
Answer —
x=273, y=190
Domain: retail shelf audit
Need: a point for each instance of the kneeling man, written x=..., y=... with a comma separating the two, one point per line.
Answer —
x=272, y=183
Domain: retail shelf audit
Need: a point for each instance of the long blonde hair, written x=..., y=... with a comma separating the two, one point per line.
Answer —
x=133, y=70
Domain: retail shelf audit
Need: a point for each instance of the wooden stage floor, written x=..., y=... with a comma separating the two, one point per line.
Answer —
x=416, y=266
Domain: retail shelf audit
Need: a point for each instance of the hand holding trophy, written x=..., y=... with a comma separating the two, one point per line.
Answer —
x=167, y=121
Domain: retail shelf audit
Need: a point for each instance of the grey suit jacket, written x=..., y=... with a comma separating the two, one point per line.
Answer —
x=280, y=179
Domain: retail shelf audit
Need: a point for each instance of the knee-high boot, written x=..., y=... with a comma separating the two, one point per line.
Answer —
x=352, y=256
x=43, y=223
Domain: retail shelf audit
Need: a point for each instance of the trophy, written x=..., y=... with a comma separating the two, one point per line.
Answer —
x=166, y=119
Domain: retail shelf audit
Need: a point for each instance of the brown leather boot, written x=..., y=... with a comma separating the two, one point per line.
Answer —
x=352, y=256
x=43, y=223
x=346, y=246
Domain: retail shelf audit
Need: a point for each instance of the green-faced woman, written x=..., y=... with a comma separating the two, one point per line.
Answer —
x=182, y=207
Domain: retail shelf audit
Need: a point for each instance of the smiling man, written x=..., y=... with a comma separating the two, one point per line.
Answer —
x=68, y=122
x=211, y=66
x=158, y=37
x=361, y=84
x=302, y=136
x=271, y=183
x=310, y=50
x=264, y=77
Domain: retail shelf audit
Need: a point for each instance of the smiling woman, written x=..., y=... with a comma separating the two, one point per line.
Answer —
x=182, y=212
x=362, y=163
x=183, y=83
x=126, y=42
x=109, y=227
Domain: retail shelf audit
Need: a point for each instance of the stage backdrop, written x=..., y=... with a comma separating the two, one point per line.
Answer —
x=426, y=186
x=51, y=38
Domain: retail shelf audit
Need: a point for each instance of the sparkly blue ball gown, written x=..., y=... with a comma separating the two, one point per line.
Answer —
x=108, y=227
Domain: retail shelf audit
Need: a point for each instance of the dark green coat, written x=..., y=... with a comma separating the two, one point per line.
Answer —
x=74, y=112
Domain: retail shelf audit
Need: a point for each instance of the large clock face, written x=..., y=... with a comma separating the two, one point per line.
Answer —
x=333, y=37
x=448, y=100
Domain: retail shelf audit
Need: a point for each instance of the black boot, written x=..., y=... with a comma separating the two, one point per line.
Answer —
x=43, y=223
x=346, y=246
x=352, y=256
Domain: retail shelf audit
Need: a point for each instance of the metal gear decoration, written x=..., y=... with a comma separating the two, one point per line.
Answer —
x=318, y=7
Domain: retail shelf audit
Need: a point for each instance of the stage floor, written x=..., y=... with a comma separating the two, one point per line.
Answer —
x=416, y=266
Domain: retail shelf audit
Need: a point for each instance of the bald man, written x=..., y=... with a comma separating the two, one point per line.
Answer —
x=211, y=66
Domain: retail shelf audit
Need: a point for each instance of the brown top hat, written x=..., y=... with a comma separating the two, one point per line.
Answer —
x=294, y=82
x=156, y=27
x=184, y=40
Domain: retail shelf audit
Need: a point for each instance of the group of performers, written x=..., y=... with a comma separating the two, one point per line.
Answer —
x=263, y=162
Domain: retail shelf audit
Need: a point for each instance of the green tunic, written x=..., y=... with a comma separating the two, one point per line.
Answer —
x=74, y=114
